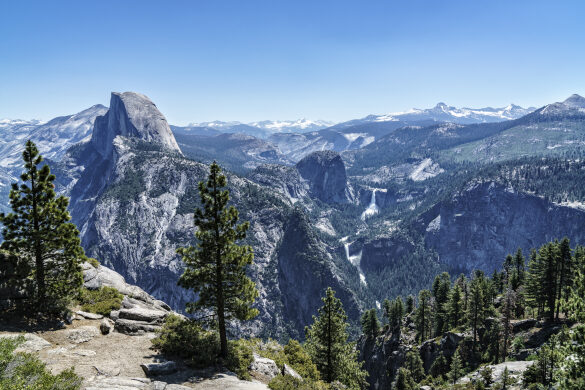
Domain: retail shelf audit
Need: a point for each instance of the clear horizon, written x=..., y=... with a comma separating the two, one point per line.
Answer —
x=263, y=60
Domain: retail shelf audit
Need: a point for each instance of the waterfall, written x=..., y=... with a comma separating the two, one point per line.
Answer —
x=372, y=208
x=354, y=260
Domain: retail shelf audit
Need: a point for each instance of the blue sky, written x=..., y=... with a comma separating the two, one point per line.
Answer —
x=252, y=60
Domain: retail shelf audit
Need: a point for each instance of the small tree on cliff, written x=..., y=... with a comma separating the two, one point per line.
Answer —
x=39, y=233
x=336, y=359
x=216, y=267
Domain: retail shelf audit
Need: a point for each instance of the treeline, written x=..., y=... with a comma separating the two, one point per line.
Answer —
x=548, y=286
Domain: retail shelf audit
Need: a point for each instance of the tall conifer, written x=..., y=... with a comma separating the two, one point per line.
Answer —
x=38, y=231
x=216, y=267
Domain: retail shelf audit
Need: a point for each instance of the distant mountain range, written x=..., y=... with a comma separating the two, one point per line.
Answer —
x=444, y=113
x=440, y=113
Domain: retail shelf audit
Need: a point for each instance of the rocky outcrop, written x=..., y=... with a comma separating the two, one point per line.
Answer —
x=140, y=312
x=325, y=173
x=480, y=225
x=384, y=252
x=382, y=358
x=285, y=180
x=131, y=115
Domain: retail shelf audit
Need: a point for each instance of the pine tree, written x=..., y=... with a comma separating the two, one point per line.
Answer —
x=534, y=294
x=565, y=271
x=404, y=380
x=386, y=309
x=441, y=289
x=216, y=268
x=455, y=307
x=38, y=231
x=370, y=323
x=508, y=309
x=519, y=262
x=456, y=367
x=550, y=255
x=476, y=306
x=574, y=304
x=336, y=359
x=414, y=364
x=395, y=312
x=409, y=304
x=423, y=314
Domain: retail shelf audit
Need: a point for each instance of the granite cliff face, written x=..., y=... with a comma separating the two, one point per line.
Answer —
x=305, y=270
x=133, y=194
x=325, y=173
x=480, y=225
x=131, y=115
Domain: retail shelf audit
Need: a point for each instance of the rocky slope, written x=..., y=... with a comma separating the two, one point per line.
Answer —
x=133, y=201
x=480, y=225
x=116, y=352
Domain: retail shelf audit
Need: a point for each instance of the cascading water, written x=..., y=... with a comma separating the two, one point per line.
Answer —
x=354, y=260
x=372, y=208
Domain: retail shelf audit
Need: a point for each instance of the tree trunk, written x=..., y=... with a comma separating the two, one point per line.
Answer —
x=39, y=264
x=219, y=278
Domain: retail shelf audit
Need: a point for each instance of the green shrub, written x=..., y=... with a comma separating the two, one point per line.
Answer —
x=188, y=340
x=240, y=357
x=93, y=262
x=19, y=371
x=290, y=383
x=517, y=344
x=101, y=301
x=300, y=361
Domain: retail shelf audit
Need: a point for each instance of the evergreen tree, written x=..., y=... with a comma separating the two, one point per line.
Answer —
x=409, y=304
x=216, y=268
x=386, y=309
x=508, y=309
x=519, y=262
x=39, y=233
x=404, y=380
x=396, y=314
x=370, y=323
x=549, y=254
x=508, y=264
x=414, y=364
x=456, y=367
x=423, y=314
x=565, y=271
x=441, y=289
x=336, y=359
x=476, y=310
x=492, y=339
x=574, y=304
x=534, y=294
x=455, y=307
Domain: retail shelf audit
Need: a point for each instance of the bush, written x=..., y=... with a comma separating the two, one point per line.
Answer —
x=240, y=357
x=517, y=344
x=188, y=340
x=101, y=301
x=94, y=263
x=20, y=371
x=300, y=361
x=290, y=383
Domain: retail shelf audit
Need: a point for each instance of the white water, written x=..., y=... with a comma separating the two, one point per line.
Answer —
x=372, y=207
x=354, y=260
